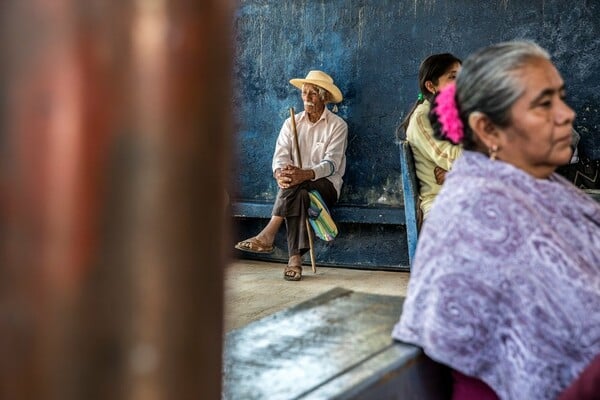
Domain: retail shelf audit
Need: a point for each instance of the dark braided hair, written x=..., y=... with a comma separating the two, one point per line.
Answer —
x=431, y=69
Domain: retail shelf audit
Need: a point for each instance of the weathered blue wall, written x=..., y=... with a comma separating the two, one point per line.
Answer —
x=373, y=48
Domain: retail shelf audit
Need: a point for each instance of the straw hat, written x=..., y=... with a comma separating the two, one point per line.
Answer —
x=320, y=79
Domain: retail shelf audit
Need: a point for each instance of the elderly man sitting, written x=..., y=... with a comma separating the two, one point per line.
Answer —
x=322, y=139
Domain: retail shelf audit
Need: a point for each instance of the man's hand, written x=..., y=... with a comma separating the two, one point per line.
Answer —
x=440, y=175
x=290, y=176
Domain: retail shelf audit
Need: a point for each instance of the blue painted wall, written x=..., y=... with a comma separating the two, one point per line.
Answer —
x=373, y=48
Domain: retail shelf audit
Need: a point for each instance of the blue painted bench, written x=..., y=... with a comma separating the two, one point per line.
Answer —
x=370, y=237
x=410, y=193
x=339, y=213
x=334, y=346
x=384, y=220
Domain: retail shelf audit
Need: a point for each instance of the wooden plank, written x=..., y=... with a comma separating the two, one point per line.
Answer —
x=369, y=215
x=361, y=246
x=337, y=344
x=410, y=193
x=594, y=193
x=401, y=371
x=247, y=209
x=340, y=213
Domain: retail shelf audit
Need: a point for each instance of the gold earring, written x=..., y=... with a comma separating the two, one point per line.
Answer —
x=493, y=152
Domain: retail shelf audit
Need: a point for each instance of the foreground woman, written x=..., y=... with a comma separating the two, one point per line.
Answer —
x=508, y=293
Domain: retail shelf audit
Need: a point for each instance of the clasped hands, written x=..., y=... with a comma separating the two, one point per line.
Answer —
x=290, y=176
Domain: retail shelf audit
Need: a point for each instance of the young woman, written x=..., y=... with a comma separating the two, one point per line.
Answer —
x=433, y=157
x=505, y=286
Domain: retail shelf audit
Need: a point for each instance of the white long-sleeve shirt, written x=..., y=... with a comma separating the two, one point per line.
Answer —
x=322, y=146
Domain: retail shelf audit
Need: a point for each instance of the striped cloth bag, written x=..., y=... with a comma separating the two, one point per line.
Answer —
x=319, y=217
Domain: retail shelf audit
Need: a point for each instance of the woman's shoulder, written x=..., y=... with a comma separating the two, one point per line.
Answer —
x=422, y=109
x=419, y=122
x=468, y=187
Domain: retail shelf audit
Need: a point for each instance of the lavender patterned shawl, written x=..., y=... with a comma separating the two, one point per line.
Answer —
x=505, y=284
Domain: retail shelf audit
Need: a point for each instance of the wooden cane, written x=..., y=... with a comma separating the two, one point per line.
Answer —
x=308, y=230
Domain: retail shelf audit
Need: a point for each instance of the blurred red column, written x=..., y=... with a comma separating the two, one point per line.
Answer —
x=114, y=126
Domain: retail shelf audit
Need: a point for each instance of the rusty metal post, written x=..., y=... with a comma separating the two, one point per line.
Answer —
x=114, y=130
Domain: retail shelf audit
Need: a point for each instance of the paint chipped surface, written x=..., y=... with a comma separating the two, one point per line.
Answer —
x=373, y=51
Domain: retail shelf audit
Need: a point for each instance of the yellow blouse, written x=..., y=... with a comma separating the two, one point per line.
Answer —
x=428, y=153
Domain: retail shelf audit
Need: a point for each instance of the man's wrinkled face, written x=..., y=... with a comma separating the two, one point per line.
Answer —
x=313, y=104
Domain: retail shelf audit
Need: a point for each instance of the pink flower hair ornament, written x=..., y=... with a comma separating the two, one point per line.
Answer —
x=447, y=113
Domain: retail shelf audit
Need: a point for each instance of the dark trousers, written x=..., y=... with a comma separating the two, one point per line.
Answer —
x=292, y=204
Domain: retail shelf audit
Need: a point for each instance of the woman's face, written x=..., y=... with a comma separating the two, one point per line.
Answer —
x=447, y=77
x=538, y=138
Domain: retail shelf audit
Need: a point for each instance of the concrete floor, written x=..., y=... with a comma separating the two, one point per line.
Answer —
x=255, y=289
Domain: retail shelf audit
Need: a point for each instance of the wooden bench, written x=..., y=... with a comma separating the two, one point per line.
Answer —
x=340, y=213
x=594, y=194
x=389, y=237
x=369, y=237
x=410, y=193
x=335, y=346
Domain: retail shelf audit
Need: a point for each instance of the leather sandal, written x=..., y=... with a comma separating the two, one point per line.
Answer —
x=254, y=245
x=292, y=273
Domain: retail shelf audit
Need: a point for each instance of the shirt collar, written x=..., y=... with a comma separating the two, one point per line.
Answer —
x=324, y=116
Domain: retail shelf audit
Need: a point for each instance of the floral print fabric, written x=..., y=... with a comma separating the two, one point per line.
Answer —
x=505, y=285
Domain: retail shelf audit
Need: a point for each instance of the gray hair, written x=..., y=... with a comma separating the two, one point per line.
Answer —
x=489, y=82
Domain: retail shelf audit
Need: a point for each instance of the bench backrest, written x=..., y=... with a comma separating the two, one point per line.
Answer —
x=410, y=194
